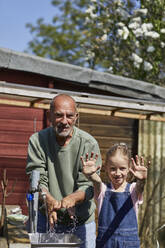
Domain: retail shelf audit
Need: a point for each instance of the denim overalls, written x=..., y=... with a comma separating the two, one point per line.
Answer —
x=117, y=224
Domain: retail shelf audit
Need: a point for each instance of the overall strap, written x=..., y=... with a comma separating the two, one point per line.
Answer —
x=127, y=188
x=109, y=186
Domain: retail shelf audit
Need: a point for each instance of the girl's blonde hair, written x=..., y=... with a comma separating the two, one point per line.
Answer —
x=122, y=147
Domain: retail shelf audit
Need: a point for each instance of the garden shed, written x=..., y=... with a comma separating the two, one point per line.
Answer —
x=111, y=108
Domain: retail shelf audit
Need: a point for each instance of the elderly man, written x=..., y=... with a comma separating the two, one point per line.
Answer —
x=55, y=152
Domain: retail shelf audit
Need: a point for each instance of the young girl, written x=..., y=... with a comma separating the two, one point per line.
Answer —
x=118, y=200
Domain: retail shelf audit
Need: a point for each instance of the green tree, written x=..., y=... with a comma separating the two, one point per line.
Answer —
x=62, y=39
x=107, y=35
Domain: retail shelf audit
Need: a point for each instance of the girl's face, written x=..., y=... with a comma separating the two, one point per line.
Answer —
x=117, y=169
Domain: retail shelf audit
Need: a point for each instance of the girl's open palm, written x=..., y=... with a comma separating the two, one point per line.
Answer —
x=89, y=166
x=138, y=169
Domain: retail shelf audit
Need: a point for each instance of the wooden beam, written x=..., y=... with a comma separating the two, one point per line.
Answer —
x=38, y=100
x=27, y=104
x=9, y=89
x=87, y=110
x=15, y=103
x=153, y=117
x=121, y=114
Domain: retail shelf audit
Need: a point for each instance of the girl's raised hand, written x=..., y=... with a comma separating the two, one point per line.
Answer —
x=138, y=169
x=89, y=165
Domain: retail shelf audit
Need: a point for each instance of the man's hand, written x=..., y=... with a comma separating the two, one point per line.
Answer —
x=71, y=200
x=53, y=205
x=68, y=201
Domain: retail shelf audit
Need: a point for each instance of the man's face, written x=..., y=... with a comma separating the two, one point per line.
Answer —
x=63, y=117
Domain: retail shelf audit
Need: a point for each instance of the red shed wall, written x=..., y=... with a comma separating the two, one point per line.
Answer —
x=16, y=126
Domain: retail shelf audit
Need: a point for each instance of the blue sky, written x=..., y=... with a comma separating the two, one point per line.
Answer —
x=14, y=14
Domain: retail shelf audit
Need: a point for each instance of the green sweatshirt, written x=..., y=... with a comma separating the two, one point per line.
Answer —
x=61, y=168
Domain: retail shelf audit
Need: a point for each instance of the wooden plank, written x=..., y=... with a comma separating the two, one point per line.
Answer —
x=16, y=199
x=14, y=137
x=15, y=103
x=20, y=113
x=88, y=99
x=23, y=125
x=125, y=114
x=104, y=120
x=16, y=173
x=104, y=131
x=130, y=105
x=17, y=186
x=13, y=150
x=10, y=162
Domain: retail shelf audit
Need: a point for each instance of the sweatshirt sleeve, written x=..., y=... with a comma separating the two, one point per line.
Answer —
x=36, y=160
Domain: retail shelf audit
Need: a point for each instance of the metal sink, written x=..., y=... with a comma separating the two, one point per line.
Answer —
x=51, y=240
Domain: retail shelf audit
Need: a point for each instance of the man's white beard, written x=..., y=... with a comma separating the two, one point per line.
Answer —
x=63, y=133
